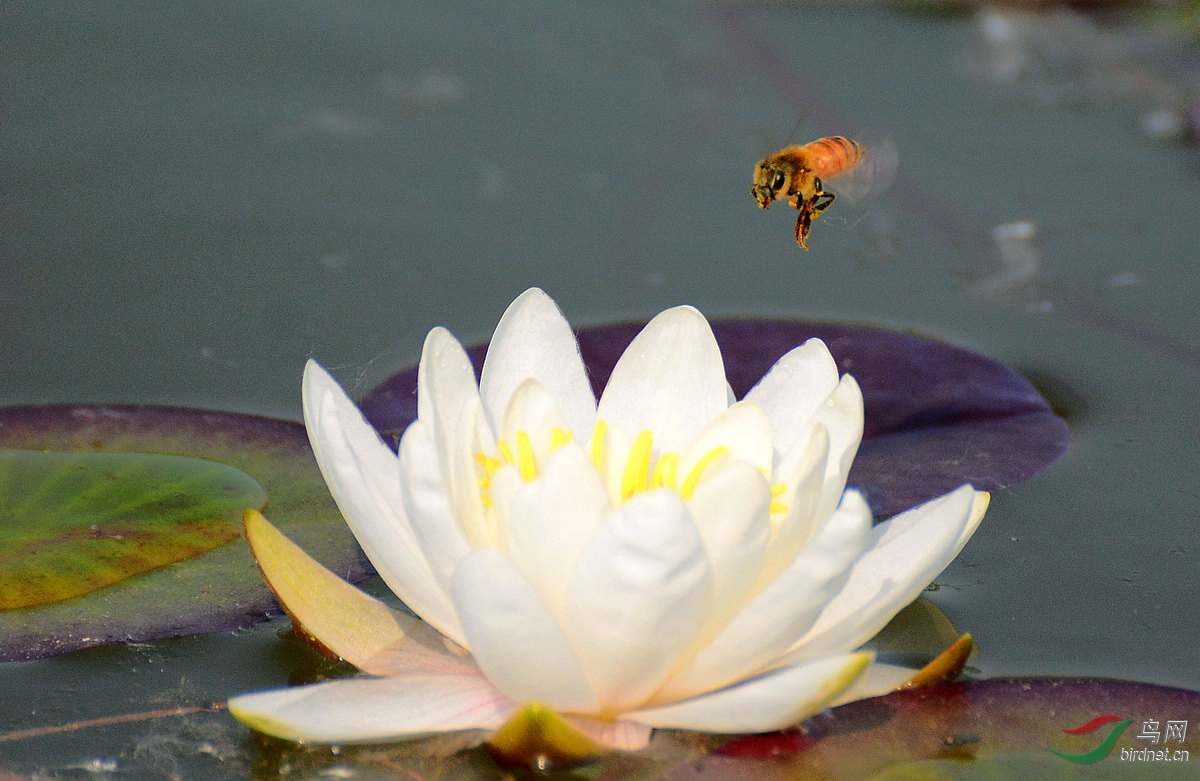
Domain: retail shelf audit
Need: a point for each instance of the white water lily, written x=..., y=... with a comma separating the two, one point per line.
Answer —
x=668, y=557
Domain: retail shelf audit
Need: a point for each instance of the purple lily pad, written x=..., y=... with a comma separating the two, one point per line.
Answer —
x=157, y=578
x=937, y=416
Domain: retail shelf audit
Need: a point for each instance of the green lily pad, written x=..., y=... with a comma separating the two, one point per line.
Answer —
x=76, y=522
x=176, y=481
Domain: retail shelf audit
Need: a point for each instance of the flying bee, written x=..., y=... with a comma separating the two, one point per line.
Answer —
x=797, y=173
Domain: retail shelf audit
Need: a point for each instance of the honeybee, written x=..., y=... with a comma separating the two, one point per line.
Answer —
x=797, y=173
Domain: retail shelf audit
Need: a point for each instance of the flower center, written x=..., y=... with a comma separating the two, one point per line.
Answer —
x=641, y=471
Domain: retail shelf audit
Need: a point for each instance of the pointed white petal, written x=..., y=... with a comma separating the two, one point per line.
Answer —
x=368, y=710
x=978, y=508
x=533, y=412
x=363, y=476
x=551, y=520
x=804, y=482
x=731, y=511
x=842, y=416
x=448, y=402
x=670, y=379
x=743, y=429
x=445, y=382
x=796, y=385
x=610, y=455
x=533, y=339
x=771, y=701
x=782, y=612
x=878, y=680
x=637, y=598
x=515, y=640
x=906, y=553
x=427, y=501
x=462, y=472
x=621, y=735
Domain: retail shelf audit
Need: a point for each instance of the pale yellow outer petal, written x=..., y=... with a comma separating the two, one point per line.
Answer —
x=355, y=626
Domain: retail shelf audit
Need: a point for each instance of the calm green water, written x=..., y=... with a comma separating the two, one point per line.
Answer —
x=198, y=197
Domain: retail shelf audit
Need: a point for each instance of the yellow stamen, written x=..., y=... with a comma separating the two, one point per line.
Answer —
x=693, y=476
x=559, y=437
x=777, y=490
x=487, y=463
x=637, y=468
x=664, y=471
x=599, y=434
x=526, y=463
x=505, y=452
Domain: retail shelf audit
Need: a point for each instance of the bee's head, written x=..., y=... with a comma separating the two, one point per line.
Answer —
x=770, y=179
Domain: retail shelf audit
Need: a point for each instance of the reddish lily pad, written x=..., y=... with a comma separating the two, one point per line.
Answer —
x=1001, y=728
x=194, y=472
x=936, y=415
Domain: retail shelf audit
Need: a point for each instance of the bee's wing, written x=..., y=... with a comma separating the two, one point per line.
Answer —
x=873, y=174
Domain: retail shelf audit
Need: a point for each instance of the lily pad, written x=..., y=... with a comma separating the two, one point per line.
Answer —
x=936, y=415
x=176, y=481
x=76, y=522
x=1000, y=728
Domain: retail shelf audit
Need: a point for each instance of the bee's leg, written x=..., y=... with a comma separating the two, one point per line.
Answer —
x=820, y=201
x=803, y=223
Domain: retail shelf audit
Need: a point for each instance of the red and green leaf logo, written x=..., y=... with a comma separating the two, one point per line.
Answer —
x=1101, y=751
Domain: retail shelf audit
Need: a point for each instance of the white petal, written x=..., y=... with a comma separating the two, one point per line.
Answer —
x=551, y=520
x=363, y=476
x=621, y=735
x=906, y=553
x=611, y=457
x=743, y=429
x=796, y=385
x=427, y=501
x=515, y=640
x=978, y=507
x=805, y=481
x=367, y=710
x=637, y=598
x=533, y=412
x=878, y=680
x=445, y=382
x=533, y=339
x=842, y=416
x=461, y=472
x=782, y=612
x=448, y=402
x=670, y=379
x=731, y=511
x=771, y=701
